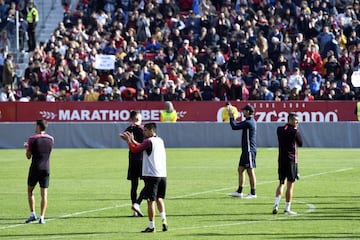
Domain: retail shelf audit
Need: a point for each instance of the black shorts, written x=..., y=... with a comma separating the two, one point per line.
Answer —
x=155, y=187
x=39, y=176
x=135, y=169
x=288, y=171
x=248, y=160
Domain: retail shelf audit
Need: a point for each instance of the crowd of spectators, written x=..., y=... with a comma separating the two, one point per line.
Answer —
x=198, y=50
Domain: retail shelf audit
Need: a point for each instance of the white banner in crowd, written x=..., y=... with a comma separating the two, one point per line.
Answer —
x=355, y=78
x=104, y=62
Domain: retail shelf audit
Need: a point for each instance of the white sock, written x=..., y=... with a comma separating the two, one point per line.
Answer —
x=163, y=215
x=151, y=224
x=277, y=201
x=287, y=206
x=33, y=214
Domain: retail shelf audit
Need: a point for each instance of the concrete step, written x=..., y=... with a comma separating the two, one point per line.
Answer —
x=50, y=14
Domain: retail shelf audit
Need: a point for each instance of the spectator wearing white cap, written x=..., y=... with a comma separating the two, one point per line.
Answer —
x=185, y=49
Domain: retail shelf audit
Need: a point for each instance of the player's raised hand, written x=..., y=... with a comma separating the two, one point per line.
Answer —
x=130, y=137
x=230, y=110
x=123, y=136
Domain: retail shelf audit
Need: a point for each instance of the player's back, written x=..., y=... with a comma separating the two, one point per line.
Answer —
x=41, y=148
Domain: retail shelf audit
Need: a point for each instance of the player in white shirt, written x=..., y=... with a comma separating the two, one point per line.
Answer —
x=153, y=171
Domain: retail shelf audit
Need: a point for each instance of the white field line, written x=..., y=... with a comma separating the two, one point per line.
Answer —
x=261, y=183
x=311, y=206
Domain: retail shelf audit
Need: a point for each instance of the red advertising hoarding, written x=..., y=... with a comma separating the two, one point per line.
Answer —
x=314, y=111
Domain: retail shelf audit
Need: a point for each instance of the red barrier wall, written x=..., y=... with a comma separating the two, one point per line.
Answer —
x=314, y=111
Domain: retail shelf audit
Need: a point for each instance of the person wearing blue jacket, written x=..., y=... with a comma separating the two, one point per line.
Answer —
x=248, y=146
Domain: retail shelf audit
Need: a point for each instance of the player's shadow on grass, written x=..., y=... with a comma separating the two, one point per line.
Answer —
x=99, y=199
x=70, y=235
x=10, y=221
x=339, y=209
x=330, y=197
x=93, y=217
x=195, y=214
x=274, y=235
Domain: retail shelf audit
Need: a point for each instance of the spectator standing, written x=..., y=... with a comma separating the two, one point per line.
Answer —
x=169, y=114
x=289, y=139
x=323, y=38
x=314, y=57
x=8, y=70
x=143, y=28
x=154, y=172
x=4, y=40
x=32, y=19
x=248, y=145
x=11, y=25
x=38, y=148
x=315, y=81
x=2, y=61
x=135, y=162
x=296, y=80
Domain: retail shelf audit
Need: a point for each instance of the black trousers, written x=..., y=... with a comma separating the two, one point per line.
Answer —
x=31, y=34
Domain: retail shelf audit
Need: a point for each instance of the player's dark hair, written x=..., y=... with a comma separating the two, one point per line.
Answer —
x=42, y=124
x=292, y=116
x=133, y=114
x=150, y=126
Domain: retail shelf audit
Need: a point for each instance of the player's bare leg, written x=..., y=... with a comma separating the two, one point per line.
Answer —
x=288, y=196
x=43, y=206
x=252, y=180
x=31, y=201
x=31, y=198
x=161, y=208
x=241, y=173
x=151, y=216
x=278, y=194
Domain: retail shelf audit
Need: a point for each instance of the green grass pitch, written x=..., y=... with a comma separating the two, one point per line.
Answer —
x=89, y=196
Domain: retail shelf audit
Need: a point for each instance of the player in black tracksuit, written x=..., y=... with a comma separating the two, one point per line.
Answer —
x=135, y=162
x=289, y=139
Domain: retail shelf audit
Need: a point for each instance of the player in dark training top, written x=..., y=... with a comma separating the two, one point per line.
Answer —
x=38, y=149
x=135, y=162
x=289, y=139
x=248, y=150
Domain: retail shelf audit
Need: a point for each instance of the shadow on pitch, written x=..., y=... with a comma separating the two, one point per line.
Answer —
x=275, y=235
x=70, y=235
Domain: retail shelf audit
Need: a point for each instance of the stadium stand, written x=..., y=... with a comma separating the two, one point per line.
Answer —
x=260, y=43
